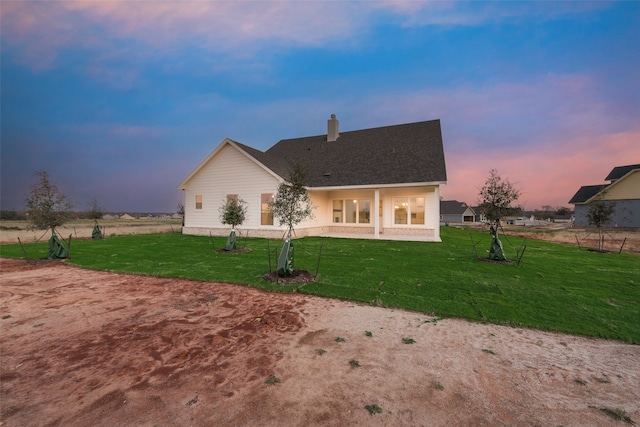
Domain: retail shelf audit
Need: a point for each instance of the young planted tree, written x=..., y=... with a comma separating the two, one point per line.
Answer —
x=292, y=203
x=95, y=212
x=496, y=199
x=291, y=206
x=598, y=215
x=232, y=212
x=180, y=211
x=48, y=208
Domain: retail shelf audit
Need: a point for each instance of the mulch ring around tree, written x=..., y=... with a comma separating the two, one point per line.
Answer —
x=297, y=277
x=495, y=261
x=233, y=251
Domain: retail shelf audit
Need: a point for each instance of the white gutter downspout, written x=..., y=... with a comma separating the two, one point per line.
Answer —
x=436, y=231
x=376, y=214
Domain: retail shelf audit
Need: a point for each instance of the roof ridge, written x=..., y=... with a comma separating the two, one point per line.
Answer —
x=359, y=130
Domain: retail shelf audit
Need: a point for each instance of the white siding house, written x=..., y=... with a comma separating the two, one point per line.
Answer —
x=373, y=183
x=228, y=170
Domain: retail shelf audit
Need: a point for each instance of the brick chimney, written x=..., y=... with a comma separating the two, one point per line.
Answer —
x=332, y=128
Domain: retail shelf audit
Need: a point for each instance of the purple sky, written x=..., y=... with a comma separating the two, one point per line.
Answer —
x=120, y=100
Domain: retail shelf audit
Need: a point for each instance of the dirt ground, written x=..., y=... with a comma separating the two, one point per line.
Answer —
x=614, y=240
x=88, y=348
x=10, y=231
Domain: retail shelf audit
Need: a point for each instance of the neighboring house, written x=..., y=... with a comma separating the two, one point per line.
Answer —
x=377, y=183
x=126, y=216
x=623, y=191
x=455, y=212
x=551, y=216
x=527, y=220
x=480, y=216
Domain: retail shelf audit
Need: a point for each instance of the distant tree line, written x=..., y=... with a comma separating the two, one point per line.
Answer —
x=9, y=215
x=47, y=207
x=550, y=212
x=13, y=215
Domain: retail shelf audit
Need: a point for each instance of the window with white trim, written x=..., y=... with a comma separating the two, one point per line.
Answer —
x=198, y=202
x=408, y=210
x=337, y=210
x=400, y=210
x=364, y=211
x=266, y=215
x=351, y=211
x=416, y=210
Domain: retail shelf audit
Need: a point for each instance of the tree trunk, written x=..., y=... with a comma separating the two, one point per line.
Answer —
x=600, y=240
x=496, y=252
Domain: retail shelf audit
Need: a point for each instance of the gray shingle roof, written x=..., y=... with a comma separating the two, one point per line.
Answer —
x=451, y=207
x=406, y=153
x=620, y=171
x=586, y=192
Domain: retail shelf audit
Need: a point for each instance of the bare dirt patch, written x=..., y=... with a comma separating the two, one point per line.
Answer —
x=615, y=239
x=85, y=348
x=297, y=277
x=10, y=231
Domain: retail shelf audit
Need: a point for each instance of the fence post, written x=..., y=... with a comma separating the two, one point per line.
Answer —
x=23, y=249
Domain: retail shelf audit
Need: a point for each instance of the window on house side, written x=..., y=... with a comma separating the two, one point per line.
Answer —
x=266, y=216
x=198, y=201
x=352, y=211
x=364, y=211
x=351, y=207
x=417, y=210
x=400, y=210
x=408, y=210
x=337, y=211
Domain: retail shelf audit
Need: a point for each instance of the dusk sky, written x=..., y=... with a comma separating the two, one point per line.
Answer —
x=120, y=100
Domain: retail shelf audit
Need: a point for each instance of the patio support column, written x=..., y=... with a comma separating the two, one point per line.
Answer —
x=436, y=201
x=375, y=211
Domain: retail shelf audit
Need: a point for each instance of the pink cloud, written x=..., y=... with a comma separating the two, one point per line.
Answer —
x=547, y=174
x=35, y=30
x=549, y=135
x=435, y=12
x=41, y=29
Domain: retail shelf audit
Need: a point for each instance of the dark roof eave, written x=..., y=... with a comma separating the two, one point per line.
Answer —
x=586, y=193
x=620, y=171
x=375, y=186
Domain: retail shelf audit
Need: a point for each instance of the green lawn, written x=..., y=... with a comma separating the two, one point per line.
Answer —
x=556, y=287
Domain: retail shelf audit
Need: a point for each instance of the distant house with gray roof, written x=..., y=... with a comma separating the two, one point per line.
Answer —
x=377, y=183
x=455, y=212
x=623, y=191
